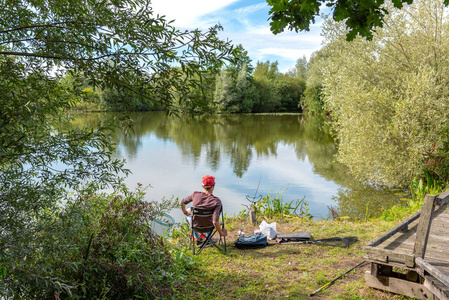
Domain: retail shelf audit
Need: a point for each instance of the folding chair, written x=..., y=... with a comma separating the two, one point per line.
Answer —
x=207, y=231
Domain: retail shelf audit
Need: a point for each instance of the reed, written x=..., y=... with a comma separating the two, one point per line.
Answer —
x=273, y=205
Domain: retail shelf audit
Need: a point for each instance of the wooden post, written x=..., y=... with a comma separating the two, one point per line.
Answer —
x=425, y=220
x=252, y=215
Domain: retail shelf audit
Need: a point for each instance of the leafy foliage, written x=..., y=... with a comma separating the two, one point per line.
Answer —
x=389, y=96
x=120, y=44
x=125, y=253
x=96, y=245
x=266, y=90
x=361, y=16
x=313, y=99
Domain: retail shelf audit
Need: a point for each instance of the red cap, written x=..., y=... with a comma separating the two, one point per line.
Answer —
x=208, y=181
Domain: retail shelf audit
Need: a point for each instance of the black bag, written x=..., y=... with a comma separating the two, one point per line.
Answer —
x=255, y=241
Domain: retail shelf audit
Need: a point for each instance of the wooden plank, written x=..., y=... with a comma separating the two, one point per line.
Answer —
x=436, y=287
x=442, y=261
x=439, y=233
x=390, y=263
x=377, y=258
x=443, y=207
x=440, y=225
x=439, y=238
x=442, y=198
x=399, y=245
x=436, y=252
x=398, y=286
x=436, y=257
x=425, y=220
x=394, y=230
x=385, y=255
x=443, y=269
x=410, y=236
x=442, y=220
x=432, y=270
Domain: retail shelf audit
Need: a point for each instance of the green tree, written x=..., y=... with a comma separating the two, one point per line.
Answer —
x=361, y=16
x=243, y=61
x=313, y=99
x=290, y=90
x=246, y=91
x=225, y=95
x=122, y=46
x=389, y=97
x=300, y=69
x=265, y=75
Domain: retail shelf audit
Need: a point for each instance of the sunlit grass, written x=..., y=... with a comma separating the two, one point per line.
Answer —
x=281, y=271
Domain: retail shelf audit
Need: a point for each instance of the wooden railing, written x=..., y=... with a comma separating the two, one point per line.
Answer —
x=423, y=280
x=422, y=233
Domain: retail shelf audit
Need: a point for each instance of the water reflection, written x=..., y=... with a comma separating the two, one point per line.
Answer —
x=279, y=151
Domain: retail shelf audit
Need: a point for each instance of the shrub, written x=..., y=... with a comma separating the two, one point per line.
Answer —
x=98, y=246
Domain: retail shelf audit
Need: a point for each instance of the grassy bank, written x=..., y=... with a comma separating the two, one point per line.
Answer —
x=295, y=271
x=287, y=271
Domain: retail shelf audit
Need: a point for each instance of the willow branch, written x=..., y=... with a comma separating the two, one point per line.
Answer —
x=51, y=25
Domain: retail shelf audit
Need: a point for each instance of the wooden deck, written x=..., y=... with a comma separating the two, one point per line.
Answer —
x=419, y=248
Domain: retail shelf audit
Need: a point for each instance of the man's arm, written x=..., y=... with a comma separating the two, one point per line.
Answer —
x=183, y=203
x=222, y=232
x=184, y=210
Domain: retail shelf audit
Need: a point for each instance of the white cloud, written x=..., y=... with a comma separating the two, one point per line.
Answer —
x=250, y=9
x=246, y=23
x=187, y=13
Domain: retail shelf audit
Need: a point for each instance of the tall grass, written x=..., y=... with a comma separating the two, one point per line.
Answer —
x=273, y=205
x=419, y=188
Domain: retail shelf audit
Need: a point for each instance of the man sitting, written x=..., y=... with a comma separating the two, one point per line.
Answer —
x=205, y=200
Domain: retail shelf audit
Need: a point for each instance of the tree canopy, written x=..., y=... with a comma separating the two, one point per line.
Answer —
x=361, y=16
x=119, y=44
x=122, y=46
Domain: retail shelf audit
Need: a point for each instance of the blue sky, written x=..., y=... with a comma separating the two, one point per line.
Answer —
x=245, y=22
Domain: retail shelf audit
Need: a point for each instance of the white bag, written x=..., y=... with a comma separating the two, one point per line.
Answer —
x=268, y=229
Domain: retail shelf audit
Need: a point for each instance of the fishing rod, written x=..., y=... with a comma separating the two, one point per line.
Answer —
x=333, y=242
x=253, y=201
x=254, y=197
x=331, y=282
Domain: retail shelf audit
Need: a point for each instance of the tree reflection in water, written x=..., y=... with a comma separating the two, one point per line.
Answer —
x=252, y=147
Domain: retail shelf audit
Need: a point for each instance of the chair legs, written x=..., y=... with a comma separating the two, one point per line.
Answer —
x=208, y=240
x=220, y=244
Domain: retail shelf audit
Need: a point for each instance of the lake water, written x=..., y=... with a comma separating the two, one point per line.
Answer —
x=249, y=155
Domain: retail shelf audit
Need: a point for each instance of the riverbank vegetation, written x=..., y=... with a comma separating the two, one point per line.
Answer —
x=236, y=88
x=282, y=271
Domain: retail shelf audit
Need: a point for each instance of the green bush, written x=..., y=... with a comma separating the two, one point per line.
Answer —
x=126, y=259
x=98, y=246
